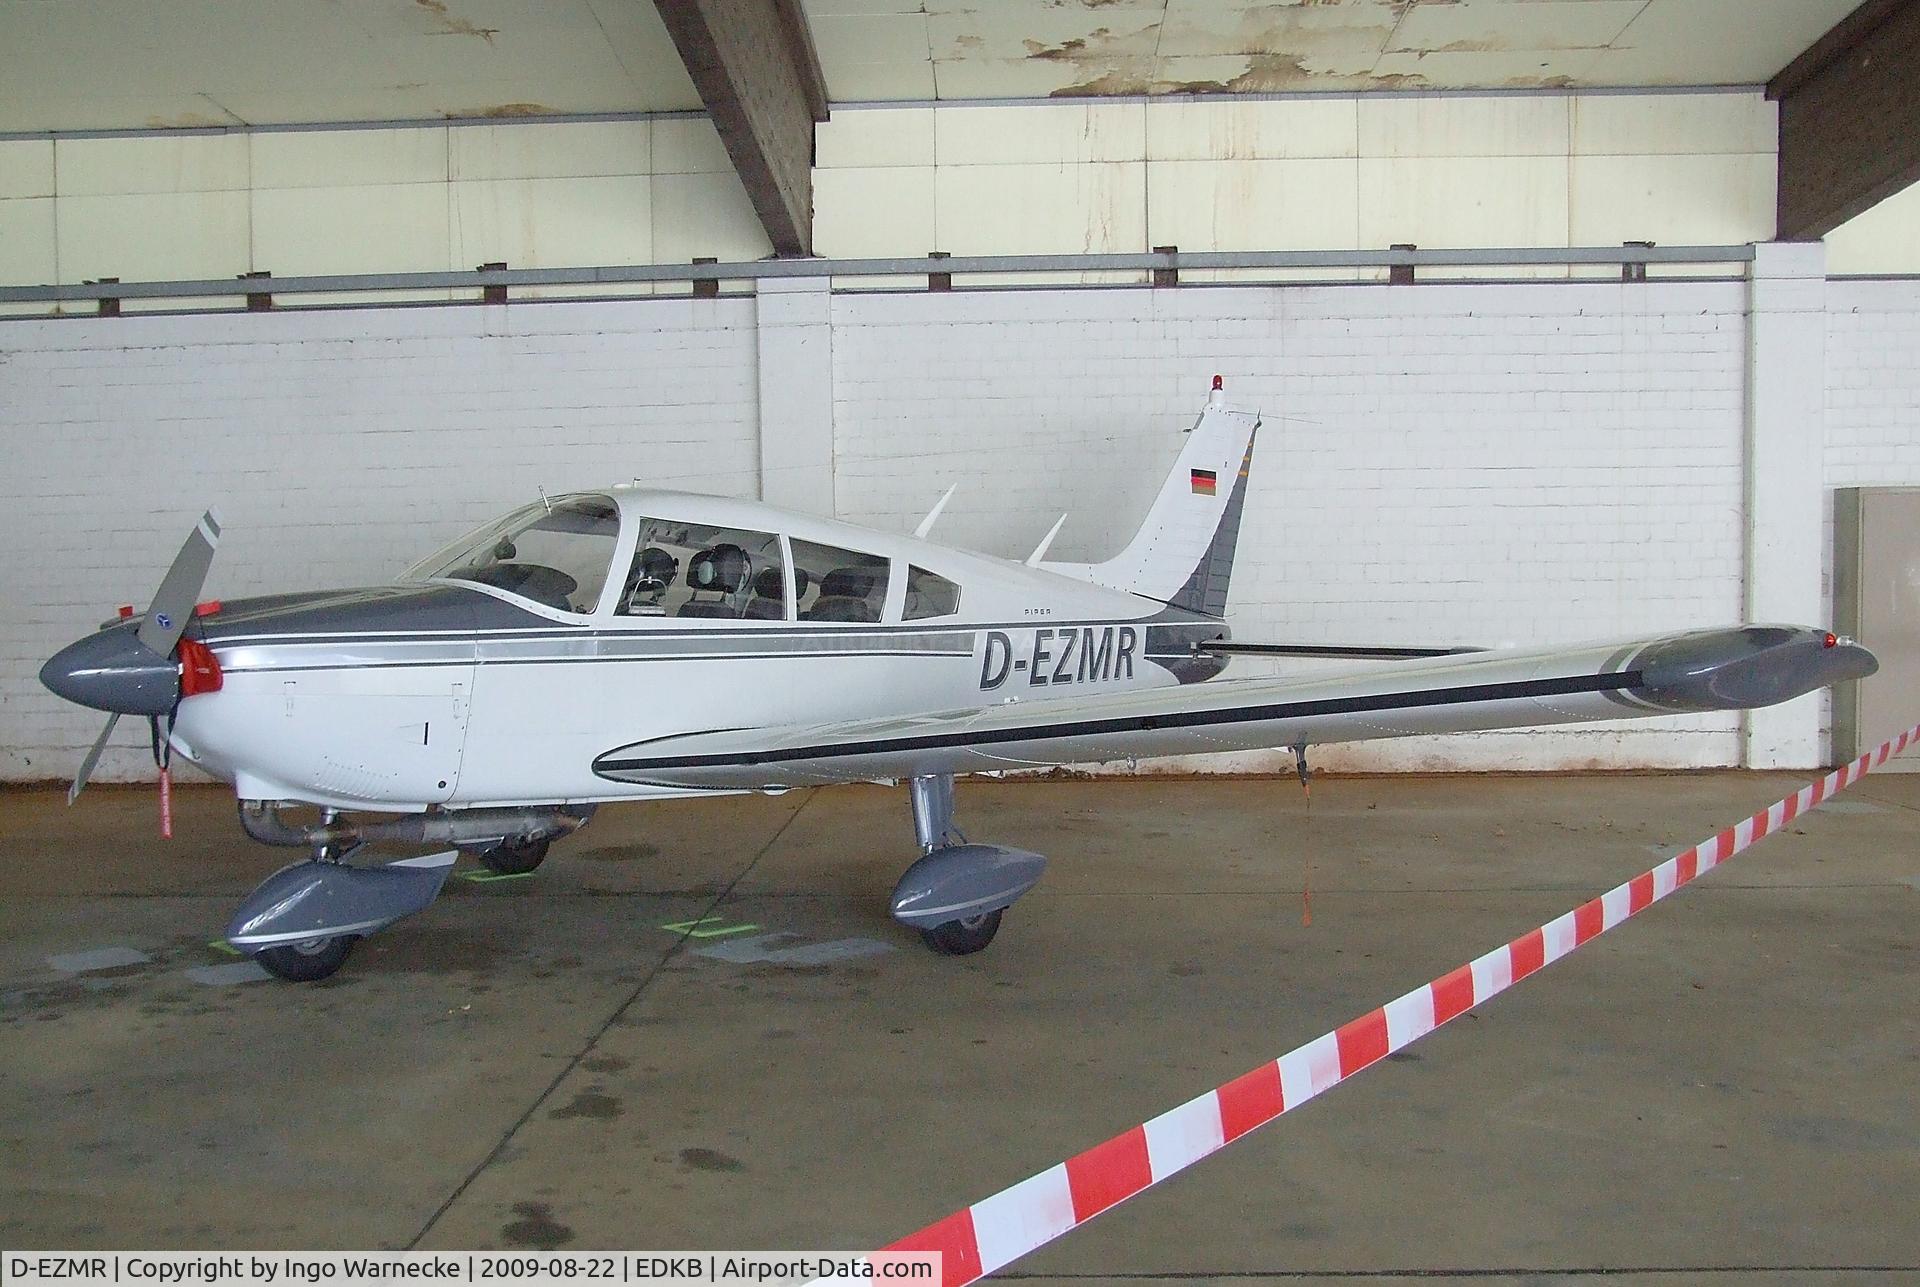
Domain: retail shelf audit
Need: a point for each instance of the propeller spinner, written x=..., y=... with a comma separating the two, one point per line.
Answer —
x=136, y=669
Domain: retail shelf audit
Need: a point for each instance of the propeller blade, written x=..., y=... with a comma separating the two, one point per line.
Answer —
x=93, y=759
x=172, y=605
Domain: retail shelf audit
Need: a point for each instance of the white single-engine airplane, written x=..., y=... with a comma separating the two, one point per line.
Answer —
x=638, y=644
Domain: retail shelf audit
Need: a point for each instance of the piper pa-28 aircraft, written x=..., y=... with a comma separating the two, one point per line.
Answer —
x=637, y=644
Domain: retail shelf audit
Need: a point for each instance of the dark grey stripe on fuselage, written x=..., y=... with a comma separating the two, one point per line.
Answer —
x=357, y=654
x=356, y=629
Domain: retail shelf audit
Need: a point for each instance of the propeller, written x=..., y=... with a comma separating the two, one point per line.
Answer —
x=172, y=605
x=92, y=761
x=166, y=620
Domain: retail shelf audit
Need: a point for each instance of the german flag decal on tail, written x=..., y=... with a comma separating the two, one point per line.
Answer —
x=1203, y=482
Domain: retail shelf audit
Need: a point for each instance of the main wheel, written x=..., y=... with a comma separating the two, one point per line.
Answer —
x=515, y=858
x=308, y=960
x=963, y=937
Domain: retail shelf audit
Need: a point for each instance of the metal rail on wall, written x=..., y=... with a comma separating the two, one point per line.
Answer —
x=495, y=283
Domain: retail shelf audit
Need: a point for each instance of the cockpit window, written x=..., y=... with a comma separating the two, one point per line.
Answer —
x=555, y=553
x=838, y=585
x=929, y=595
x=692, y=570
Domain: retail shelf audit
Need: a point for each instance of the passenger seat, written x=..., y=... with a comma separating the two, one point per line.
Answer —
x=721, y=572
x=843, y=597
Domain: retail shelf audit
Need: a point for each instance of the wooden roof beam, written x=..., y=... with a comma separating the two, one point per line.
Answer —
x=755, y=66
x=1849, y=119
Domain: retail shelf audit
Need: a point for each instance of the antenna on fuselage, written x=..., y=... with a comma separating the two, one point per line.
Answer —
x=1040, y=550
x=544, y=500
x=926, y=524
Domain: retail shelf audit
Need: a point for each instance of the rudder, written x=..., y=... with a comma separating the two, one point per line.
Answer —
x=1182, y=555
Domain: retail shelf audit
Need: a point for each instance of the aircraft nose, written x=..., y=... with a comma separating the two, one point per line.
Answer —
x=113, y=671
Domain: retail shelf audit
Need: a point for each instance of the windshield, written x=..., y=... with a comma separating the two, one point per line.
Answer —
x=556, y=553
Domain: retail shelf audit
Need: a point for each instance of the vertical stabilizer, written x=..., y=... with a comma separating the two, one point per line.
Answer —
x=1183, y=553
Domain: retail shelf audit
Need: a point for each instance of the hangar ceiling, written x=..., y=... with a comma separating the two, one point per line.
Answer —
x=118, y=64
x=955, y=49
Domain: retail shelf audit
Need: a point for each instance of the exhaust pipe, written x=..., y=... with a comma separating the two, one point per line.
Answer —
x=463, y=828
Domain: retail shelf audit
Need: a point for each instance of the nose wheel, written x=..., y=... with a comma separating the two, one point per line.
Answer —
x=307, y=961
x=963, y=937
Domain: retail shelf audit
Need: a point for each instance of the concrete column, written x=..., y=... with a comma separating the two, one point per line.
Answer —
x=796, y=393
x=1786, y=434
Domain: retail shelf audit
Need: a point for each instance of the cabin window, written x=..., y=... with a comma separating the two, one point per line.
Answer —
x=930, y=595
x=555, y=553
x=838, y=585
x=693, y=570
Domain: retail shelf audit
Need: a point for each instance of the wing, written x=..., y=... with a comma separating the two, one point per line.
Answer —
x=1707, y=670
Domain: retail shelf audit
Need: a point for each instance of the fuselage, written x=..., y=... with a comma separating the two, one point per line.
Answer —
x=502, y=680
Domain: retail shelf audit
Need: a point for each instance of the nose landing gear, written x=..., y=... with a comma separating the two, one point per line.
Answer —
x=956, y=893
x=302, y=922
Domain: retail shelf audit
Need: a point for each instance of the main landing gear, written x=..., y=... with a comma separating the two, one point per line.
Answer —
x=516, y=857
x=955, y=894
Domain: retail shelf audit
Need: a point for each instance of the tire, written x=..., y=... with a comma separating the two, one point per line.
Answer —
x=306, y=962
x=963, y=938
x=515, y=859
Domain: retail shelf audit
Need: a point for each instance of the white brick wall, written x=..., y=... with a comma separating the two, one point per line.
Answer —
x=1449, y=464
x=1873, y=393
x=1443, y=463
x=1873, y=383
x=339, y=447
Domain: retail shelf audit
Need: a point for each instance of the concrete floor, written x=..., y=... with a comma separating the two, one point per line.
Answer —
x=1723, y=1090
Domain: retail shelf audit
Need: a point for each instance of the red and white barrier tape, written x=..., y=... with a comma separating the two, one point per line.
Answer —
x=998, y=1230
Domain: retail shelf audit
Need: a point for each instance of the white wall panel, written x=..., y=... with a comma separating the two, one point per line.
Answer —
x=1885, y=239
x=574, y=149
x=349, y=158
x=1042, y=177
x=1463, y=201
x=1636, y=124
x=874, y=137
x=688, y=146
x=1705, y=200
x=27, y=244
x=601, y=220
x=1303, y=204
x=187, y=163
x=26, y=168
x=363, y=228
x=874, y=211
x=1041, y=208
x=1211, y=129
x=698, y=215
x=1058, y=133
x=1534, y=125
x=154, y=236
